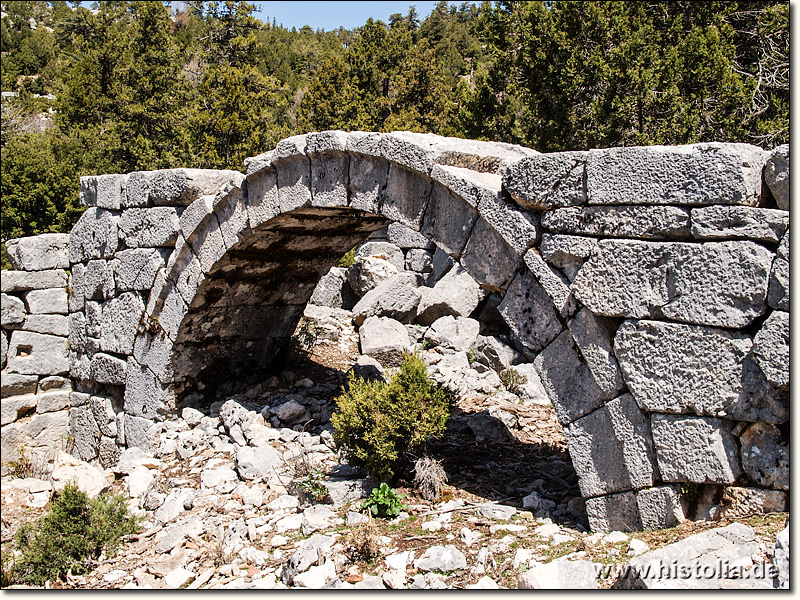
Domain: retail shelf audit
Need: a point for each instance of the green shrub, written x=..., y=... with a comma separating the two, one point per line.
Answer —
x=71, y=535
x=377, y=422
x=313, y=486
x=384, y=502
x=348, y=259
x=512, y=379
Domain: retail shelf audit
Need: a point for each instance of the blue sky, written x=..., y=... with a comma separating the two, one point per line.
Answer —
x=332, y=15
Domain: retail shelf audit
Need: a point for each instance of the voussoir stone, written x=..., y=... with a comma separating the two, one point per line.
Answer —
x=594, y=337
x=529, y=313
x=39, y=252
x=776, y=175
x=739, y=222
x=547, y=181
x=566, y=252
x=695, y=174
x=660, y=365
x=695, y=449
x=715, y=283
x=645, y=222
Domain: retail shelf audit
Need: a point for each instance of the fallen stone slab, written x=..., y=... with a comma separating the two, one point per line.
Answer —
x=384, y=339
x=456, y=294
x=560, y=574
x=442, y=559
x=396, y=298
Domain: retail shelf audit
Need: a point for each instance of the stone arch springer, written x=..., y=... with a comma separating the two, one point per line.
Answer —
x=538, y=230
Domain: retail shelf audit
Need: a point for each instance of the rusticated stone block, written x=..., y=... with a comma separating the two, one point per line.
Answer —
x=547, y=181
x=95, y=235
x=594, y=337
x=616, y=512
x=771, y=348
x=643, y=222
x=739, y=223
x=529, y=313
x=776, y=175
x=566, y=252
x=39, y=252
x=149, y=227
x=695, y=449
x=121, y=318
x=660, y=507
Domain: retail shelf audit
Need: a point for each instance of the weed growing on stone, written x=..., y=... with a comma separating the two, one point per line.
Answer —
x=429, y=476
x=71, y=536
x=312, y=486
x=512, y=379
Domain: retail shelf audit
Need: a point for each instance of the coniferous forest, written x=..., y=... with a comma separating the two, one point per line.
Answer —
x=139, y=85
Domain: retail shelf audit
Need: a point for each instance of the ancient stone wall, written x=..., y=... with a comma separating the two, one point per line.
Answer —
x=646, y=287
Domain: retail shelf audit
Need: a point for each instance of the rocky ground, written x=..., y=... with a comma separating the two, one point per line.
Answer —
x=228, y=498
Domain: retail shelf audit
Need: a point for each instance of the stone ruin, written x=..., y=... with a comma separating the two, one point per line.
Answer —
x=646, y=288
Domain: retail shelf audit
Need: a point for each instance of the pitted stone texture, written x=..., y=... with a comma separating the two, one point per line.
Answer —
x=449, y=220
x=135, y=270
x=149, y=227
x=612, y=449
x=716, y=283
x=37, y=354
x=419, y=261
x=385, y=340
x=97, y=281
x=3, y=349
x=776, y=175
x=104, y=191
x=39, y=252
x=22, y=281
x=121, y=318
x=660, y=507
x=594, y=337
x=139, y=432
x=49, y=324
x=294, y=173
x=739, y=223
x=553, y=283
x=494, y=274
x=529, y=313
x=547, y=181
x=396, y=297
x=742, y=502
x=95, y=235
x=644, y=222
x=496, y=355
x=568, y=380
x=695, y=174
x=778, y=292
x=107, y=369
x=406, y=238
x=771, y=349
x=457, y=294
x=145, y=395
x=384, y=250
x=52, y=301
x=12, y=311
x=676, y=368
x=765, y=458
x=559, y=574
x=367, y=178
x=330, y=166
x=566, y=252
x=104, y=415
x=85, y=430
x=519, y=229
x=617, y=512
x=261, y=199
x=13, y=384
x=695, y=449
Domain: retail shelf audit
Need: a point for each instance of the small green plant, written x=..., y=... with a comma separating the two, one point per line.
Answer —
x=472, y=356
x=689, y=492
x=348, y=259
x=312, y=486
x=384, y=502
x=71, y=536
x=379, y=423
x=512, y=379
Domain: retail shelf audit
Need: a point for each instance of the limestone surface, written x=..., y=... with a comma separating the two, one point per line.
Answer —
x=776, y=175
x=39, y=252
x=641, y=222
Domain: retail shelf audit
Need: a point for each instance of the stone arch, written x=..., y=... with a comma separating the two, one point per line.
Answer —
x=651, y=257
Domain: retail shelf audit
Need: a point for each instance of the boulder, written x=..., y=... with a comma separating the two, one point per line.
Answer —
x=368, y=272
x=384, y=339
x=494, y=354
x=396, y=298
x=88, y=479
x=384, y=250
x=257, y=463
x=333, y=290
x=765, y=457
x=442, y=559
x=560, y=574
x=419, y=261
x=456, y=294
x=457, y=334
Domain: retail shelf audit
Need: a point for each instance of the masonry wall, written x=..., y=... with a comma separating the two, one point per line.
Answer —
x=647, y=287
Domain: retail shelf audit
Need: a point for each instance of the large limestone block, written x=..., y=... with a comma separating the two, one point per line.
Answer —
x=3, y=349
x=149, y=227
x=384, y=339
x=765, y=457
x=776, y=175
x=566, y=252
x=136, y=269
x=107, y=369
x=676, y=368
x=489, y=259
x=716, y=283
x=449, y=219
x=139, y=432
x=419, y=261
x=330, y=167
x=529, y=313
x=457, y=294
x=15, y=407
x=644, y=222
x=771, y=349
x=405, y=196
x=696, y=174
x=594, y=337
x=695, y=449
x=406, y=238
x=121, y=318
x=39, y=252
x=178, y=187
x=660, y=507
x=37, y=354
x=457, y=334
x=333, y=290
x=778, y=292
x=22, y=281
x=96, y=281
x=52, y=401
x=567, y=379
x=294, y=173
x=13, y=384
x=367, y=178
x=547, y=181
x=49, y=324
x=616, y=512
x=89, y=479
x=739, y=223
x=12, y=311
x=519, y=229
x=560, y=574
x=612, y=449
x=261, y=199
x=104, y=191
x=145, y=395
x=396, y=297
x=85, y=431
x=52, y=301
x=95, y=235
x=368, y=272
x=742, y=502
